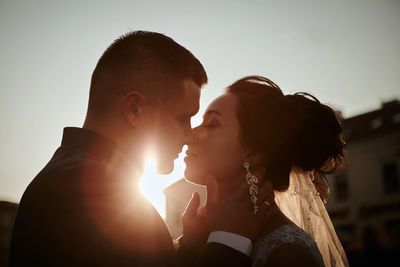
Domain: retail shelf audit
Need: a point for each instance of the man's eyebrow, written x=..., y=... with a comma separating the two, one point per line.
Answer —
x=216, y=112
x=189, y=114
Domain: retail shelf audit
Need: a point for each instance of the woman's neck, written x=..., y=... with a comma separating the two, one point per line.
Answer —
x=227, y=188
x=230, y=184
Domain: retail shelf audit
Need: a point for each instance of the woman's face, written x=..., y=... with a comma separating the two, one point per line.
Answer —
x=215, y=147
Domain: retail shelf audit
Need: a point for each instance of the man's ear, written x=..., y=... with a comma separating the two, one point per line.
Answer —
x=133, y=104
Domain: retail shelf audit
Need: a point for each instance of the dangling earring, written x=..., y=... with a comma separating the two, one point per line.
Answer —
x=253, y=188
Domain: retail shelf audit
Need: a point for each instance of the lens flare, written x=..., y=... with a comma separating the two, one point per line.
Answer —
x=152, y=184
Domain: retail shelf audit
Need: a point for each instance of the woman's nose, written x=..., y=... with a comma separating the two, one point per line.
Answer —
x=193, y=136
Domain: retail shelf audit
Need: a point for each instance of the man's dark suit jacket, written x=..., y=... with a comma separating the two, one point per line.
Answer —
x=84, y=209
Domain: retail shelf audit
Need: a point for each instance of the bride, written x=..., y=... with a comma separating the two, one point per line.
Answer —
x=256, y=133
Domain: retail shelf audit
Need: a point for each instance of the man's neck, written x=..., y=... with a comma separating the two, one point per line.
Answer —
x=119, y=136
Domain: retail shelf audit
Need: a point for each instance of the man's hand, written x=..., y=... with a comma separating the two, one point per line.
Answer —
x=235, y=213
x=194, y=225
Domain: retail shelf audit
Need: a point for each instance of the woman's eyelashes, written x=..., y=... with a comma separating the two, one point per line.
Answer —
x=211, y=123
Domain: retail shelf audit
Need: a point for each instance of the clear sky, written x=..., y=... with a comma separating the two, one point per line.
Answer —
x=347, y=53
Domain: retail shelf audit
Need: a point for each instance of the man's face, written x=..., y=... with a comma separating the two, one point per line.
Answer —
x=173, y=127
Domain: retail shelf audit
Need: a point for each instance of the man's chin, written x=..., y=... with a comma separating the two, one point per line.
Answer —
x=165, y=168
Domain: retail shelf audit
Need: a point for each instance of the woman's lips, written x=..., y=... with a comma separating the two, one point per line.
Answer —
x=189, y=156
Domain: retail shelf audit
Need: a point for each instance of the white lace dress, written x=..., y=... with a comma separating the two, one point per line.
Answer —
x=285, y=234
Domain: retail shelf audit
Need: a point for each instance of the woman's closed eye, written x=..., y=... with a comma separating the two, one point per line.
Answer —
x=211, y=123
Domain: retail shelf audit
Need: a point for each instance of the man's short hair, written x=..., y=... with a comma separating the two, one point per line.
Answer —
x=148, y=62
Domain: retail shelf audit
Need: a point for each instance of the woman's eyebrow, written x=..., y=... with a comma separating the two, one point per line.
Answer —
x=216, y=112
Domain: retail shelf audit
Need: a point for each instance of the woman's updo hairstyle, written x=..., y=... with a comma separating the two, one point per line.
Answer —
x=267, y=127
x=320, y=144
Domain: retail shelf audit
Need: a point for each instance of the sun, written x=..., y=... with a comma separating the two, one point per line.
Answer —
x=152, y=184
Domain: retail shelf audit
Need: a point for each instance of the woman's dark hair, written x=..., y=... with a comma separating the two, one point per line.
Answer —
x=287, y=131
x=265, y=119
x=320, y=143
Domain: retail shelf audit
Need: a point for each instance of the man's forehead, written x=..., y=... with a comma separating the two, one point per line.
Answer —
x=191, y=95
x=187, y=100
x=191, y=89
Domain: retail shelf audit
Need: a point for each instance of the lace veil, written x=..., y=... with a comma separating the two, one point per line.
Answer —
x=302, y=204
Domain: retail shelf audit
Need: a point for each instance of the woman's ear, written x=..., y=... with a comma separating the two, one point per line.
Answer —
x=254, y=159
x=256, y=166
x=133, y=104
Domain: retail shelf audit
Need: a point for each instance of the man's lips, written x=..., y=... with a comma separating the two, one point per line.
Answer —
x=190, y=153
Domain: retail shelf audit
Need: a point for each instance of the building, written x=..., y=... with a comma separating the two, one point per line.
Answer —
x=8, y=212
x=365, y=196
x=177, y=197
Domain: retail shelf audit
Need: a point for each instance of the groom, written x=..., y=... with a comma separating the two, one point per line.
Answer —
x=84, y=207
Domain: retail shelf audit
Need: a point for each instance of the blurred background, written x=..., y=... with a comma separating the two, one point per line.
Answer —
x=346, y=53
